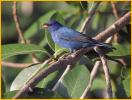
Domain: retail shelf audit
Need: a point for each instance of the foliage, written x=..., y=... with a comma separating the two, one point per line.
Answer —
x=41, y=44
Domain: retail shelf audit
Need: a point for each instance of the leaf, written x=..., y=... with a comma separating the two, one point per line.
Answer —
x=98, y=84
x=95, y=22
x=3, y=86
x=74, y=83
x=43, y=94
x=36, y=26
x=26, y=74
x=120, y=90
x=46, y=81
x=126, y=84
x=60, y=52
x=121, y=49
x=17, y=49
x=50, y=40
x=91, y=4
x=23, y=77
x=10, y=94
x=58, y=17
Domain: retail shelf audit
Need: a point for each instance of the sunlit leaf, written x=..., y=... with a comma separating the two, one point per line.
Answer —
x=74, y=83
x=17, y=49
x=36, y=26
x=26, y=74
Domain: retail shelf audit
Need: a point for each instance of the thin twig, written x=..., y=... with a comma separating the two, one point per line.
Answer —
x=114, y=10
x=116, y=36
x=106, y=72
x=71, y=59
x=17, y=23
x=114, y=28
x=34, y=58
x=88, y=19
x=20, y=33
x=15, y=65
x=92, y=76
x=61, y=78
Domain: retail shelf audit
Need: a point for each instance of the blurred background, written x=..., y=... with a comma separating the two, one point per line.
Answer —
x=32, y=15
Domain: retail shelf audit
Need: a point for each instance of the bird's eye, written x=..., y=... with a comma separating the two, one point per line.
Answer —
x=49, y=24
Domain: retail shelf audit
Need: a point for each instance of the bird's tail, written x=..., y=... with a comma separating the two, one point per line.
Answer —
x=105, y=45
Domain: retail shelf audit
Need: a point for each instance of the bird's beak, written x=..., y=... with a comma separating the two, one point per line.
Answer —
x=46, y=25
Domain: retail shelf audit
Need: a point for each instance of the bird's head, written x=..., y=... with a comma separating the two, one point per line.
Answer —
x=52, y=24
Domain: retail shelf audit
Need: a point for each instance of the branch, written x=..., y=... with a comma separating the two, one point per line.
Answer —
x=114, y=10
x=15, y=65
x=106, y=72
x=74, y=57
x=17, y=23
x=61, y=78
x=114, y=28
x=92, y=76
x=61, y=63
x=22, y=39
x=88, y=19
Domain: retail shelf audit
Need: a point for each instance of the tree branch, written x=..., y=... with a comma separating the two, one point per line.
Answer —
x=106, y=72
x=114, y=10
x=22, y=39
x=74, y=57
x=114, y=28
x=15, y=65
x=17, y=23
x=88, y=19
x=93, y=74
x=61, y=78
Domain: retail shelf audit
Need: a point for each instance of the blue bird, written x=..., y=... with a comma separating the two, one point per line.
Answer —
x=69, y=38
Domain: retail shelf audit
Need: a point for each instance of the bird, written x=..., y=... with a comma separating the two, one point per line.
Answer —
x=67, y=37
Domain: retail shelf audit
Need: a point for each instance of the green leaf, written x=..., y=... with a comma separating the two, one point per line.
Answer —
x=50, y=40
x=25, y=75
x=120, y=88
x=17, y=49
x=75, y=82
x=60, y=52
x=98, y=84
x=3, y=86
x=126, y=84
x=43, y=93
x=58, y=17
x=95, y=22
x=91, y=5
x=46, y=81
x=10, y=94
x=36, y=26
x=28, y=73
x=121, y=49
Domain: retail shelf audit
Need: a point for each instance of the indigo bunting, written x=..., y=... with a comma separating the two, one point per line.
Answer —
x=69, y=38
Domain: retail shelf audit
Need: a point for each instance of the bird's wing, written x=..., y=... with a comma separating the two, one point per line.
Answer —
x=69, y=34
